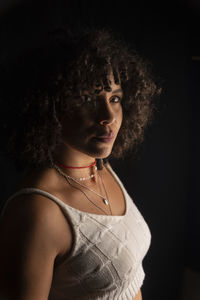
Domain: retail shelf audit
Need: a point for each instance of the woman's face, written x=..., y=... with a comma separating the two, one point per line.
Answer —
x=93, y=127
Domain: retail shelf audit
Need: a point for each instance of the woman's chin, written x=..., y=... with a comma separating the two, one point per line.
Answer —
x=104, y=154
x=101, y=153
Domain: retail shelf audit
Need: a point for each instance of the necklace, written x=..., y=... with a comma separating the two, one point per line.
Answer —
x=70, y=167
x=106, y=194
x=105, y=191
x=91, y=200
x=82, y=178
x=105, y=199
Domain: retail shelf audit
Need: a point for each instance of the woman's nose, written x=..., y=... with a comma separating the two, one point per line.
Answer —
x=106, y=114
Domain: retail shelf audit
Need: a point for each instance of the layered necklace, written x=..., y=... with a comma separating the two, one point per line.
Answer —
x=105, y=199
x=80, y=178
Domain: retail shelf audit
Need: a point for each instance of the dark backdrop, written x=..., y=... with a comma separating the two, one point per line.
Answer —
x=163, y=180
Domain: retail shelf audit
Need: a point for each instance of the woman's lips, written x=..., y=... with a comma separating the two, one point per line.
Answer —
x=106, y=138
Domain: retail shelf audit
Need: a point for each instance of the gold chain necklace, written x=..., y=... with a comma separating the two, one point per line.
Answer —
x=105, y=199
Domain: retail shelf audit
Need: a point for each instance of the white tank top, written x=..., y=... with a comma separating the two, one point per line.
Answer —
x=105, y=262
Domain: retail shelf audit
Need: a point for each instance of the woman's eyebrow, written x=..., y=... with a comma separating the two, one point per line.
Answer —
x=117, y=91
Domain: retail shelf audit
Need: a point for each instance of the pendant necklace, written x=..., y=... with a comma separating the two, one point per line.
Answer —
x=105, y=198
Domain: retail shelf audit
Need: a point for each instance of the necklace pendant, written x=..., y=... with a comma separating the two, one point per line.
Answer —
x=105, y=201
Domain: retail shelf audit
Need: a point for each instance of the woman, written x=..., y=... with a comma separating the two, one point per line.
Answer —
x=71, y=231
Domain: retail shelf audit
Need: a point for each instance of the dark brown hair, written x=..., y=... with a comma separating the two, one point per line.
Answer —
x=48, y=77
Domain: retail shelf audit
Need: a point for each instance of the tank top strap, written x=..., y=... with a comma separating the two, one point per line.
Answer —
x=65, y=208
x=36, y=191
x=74, y=215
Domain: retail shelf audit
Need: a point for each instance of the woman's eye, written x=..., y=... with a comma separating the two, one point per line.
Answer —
x=116, y=99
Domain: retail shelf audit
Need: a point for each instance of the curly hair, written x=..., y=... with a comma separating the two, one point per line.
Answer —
x=47, y=81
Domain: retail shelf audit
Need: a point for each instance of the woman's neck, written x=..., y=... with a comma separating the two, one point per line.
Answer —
x=66, y=156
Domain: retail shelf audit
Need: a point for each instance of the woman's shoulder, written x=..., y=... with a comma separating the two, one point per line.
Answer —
x=29, y=206
x=36, y=215
x=34, y=233
x=33, y=212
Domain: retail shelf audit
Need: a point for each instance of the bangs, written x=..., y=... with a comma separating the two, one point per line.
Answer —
x=94, y=74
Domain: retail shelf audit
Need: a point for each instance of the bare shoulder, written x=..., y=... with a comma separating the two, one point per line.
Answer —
x=31, y=208
x=36, y=215
x=32, y=226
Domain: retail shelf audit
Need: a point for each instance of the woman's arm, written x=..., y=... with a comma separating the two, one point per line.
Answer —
x=138, y=296
x=32, y=232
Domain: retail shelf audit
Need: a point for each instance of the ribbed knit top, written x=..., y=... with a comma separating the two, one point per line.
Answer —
x=105, y=262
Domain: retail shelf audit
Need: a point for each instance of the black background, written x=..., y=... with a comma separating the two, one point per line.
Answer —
x=163, y=182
